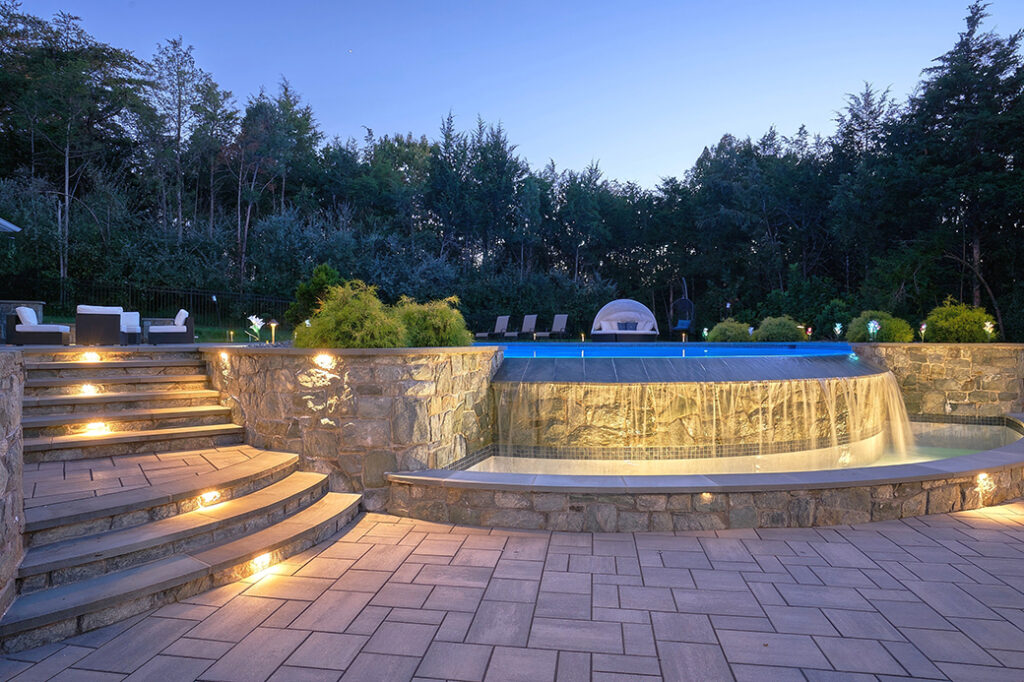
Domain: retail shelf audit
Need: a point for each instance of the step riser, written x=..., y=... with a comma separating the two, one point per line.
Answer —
x=131, y=425
x=137, y=517
x=95, y=408
x=133, y=448
x=32, y=637
x=256, y=521
x=198, y=384
x=97, y=374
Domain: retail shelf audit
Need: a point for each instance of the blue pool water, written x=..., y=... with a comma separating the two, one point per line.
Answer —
x=529, y=349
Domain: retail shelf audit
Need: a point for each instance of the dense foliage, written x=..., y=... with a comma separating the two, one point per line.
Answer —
x=779, y=329
x=955, y=322
x=435, y=323
x=729, y=330
x=351, y=316
x=126, y=170
x=309, y=293
x=890, y=329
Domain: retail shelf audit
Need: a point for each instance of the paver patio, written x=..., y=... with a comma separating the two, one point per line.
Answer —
x=934, y=597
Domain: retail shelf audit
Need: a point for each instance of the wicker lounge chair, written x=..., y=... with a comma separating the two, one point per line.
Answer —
x=182, y=331
x=24, y=328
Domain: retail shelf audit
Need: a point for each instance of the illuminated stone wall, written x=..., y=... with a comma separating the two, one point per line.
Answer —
x=356, y=414
x=956, y=379
x=11, y=497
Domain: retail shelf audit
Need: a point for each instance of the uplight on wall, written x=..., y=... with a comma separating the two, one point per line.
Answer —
x=324, y=361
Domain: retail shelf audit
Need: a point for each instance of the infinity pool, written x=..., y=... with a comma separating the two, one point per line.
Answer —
x=528, y=349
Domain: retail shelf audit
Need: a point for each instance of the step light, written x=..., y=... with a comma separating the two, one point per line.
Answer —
x=209, y=498
x=96, y=428
x=91, y=356
x=985, y=485
x=261, y=563
x=89, y=389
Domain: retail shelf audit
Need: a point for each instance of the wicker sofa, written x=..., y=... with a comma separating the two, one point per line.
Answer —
x=24, y=328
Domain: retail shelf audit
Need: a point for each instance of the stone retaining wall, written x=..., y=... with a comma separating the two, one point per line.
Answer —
x=357, y=414
x=955, y=379
x=629, y=512
x=11, y=495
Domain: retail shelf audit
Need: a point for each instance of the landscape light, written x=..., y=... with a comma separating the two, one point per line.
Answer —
x=985, y=485
x=96, y=428
x=261, y=562
x=324, y=361
x=206, y=499
x=89, y=389
x=273, y=331
x=91, y=356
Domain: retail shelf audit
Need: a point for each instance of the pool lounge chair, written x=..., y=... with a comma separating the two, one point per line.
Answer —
x=526, y=331
x=500, y=327
x=181, y=331
x=24, y=329
x=557, y=330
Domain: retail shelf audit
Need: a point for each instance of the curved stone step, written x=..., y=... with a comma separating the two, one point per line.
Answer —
x=88, y=557
x=82, y=446
x=89, y=404
x=78, y=369
x=162, y=382
x=62, y=520
x=108, y=353
x=64, y=611
x=39, y=426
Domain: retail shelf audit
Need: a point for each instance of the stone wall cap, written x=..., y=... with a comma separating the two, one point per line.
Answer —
x=245, y=349
x=937, y=345
x=988, y=461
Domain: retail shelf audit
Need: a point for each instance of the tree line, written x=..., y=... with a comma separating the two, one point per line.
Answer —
x=122, y=169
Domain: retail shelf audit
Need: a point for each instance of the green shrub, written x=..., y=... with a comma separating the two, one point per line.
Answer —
x=436, y=323
x=309, y=294
x=729, y=330
x=351, y=316
x=891, y=329
x=778, y=329
x=955, y=322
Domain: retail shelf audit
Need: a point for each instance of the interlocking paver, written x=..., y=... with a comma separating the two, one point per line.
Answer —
x=398, y=599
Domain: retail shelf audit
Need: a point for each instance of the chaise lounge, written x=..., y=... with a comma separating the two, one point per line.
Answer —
x=24, y=328
x=181, y=331
x=526, y=331
x=500, y=327
x=557, y=330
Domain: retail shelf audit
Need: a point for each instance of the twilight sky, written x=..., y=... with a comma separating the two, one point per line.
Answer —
x=641, y=87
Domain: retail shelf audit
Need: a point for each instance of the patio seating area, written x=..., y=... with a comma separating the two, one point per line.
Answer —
x=97, y=326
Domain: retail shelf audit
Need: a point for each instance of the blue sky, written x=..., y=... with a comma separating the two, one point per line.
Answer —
x=640, y=87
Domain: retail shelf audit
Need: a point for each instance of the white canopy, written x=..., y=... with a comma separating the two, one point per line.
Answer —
x=625, y=311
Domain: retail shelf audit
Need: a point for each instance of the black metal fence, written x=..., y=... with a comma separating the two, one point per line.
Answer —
x=208, y=308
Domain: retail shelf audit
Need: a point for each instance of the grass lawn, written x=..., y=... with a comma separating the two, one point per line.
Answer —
x=205, y=334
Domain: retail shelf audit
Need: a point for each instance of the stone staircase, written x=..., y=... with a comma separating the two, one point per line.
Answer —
x=97, y=556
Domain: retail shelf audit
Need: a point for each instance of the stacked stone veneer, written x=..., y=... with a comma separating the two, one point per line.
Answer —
x=11, y=495
x=969, y=379
x=361, y=413
x=629, y=512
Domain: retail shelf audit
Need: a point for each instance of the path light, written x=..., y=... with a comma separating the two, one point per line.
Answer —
x=324, y=361
x=923, y=329
x=873, y=327
x=990, y=328
x=273, y=331
x=704, y=333
x=583, y=337
x=206, y=499
x=231, y=335
x=89, y=389
x=838, y=329
x=91, y=356
x=96, y=428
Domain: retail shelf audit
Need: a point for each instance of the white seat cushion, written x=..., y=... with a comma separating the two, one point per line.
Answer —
x=645, y=326
x=41, y=328
x=179, y=319
x=100, y=309
x=26, y=315
x=131, y=329
x=159, y=329
x=609, y=326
